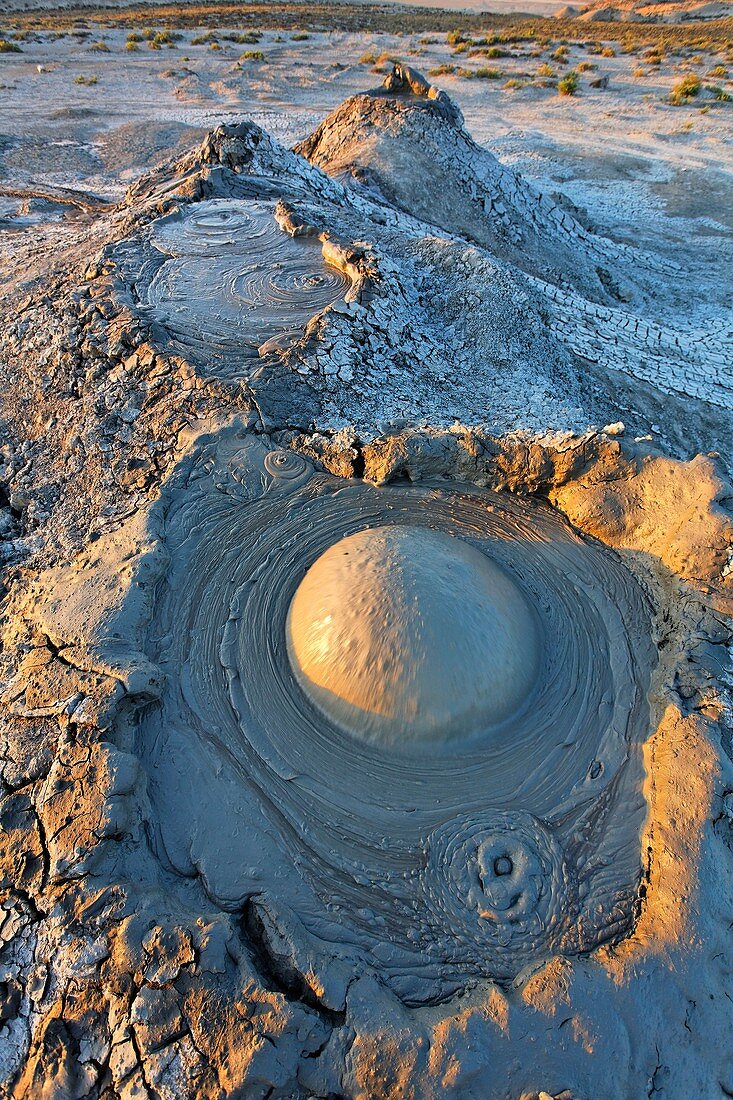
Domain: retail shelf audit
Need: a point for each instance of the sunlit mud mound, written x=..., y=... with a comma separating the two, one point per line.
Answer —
x=405, y=143
x=406, y=140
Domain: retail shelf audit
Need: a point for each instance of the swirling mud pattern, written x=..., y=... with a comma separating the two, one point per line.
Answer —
x=434, y=851
x=224, y=279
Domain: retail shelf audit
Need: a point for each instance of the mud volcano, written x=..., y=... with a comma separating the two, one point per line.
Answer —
x=412, y=713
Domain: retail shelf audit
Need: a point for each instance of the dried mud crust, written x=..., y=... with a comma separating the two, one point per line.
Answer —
x=124, y=971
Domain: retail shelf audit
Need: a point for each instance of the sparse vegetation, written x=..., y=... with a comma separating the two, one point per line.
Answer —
x=480, y=28
x=569, y=83
x=685, y=90
x=248, y=38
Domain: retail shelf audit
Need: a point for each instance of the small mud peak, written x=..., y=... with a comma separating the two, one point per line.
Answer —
x=403, y=80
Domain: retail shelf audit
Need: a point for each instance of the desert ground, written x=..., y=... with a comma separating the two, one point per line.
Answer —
x=366, y=428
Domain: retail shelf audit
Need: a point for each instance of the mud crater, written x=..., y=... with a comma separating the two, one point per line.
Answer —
x=436, y=858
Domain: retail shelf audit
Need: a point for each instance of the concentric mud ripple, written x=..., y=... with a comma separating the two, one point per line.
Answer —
x=228, y=280
x=434, y=862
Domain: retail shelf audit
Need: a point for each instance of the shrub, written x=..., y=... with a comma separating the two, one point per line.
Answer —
x=453, y=38
x=300, y=37
x=546, y=70
x=560, y=53
x=719, y=72
x=513, y=84
x=252, y=55
x=381, y=62
x=203, y=39
x=85, y=79
x=133, y=37
x=131, y=45
x=639, y=72
x=569, y=83
x=685, y=90
x=368, y=58
x=9, y=47
x=608, y=51
x=720, y=93
x=100, y=47
x=586, y=67
x=479, y=74
x=442, y=70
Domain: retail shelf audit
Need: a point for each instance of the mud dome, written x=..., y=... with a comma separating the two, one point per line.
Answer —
x=405, y=635
x=442, y=857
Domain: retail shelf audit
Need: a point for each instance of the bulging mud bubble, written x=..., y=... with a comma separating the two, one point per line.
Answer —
x=222, y=279
x=400, y=723
x=406, y=635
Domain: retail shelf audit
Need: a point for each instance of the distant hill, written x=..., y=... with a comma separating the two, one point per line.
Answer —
x=641, y=11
